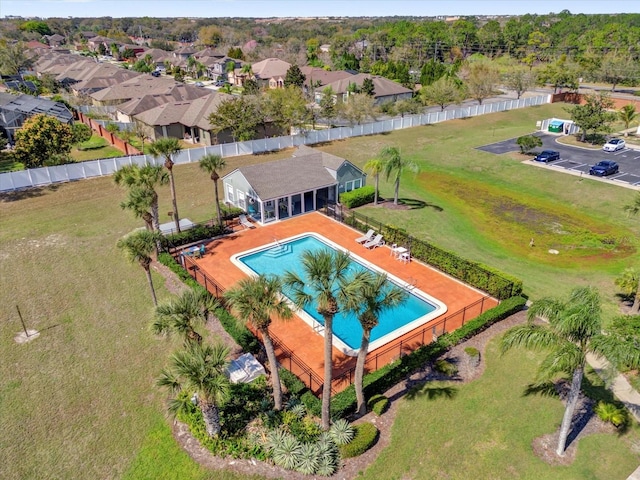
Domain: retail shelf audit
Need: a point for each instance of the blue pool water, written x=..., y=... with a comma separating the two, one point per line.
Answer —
x=286, y=256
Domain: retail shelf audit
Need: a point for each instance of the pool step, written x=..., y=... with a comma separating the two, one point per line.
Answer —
x=278, y=251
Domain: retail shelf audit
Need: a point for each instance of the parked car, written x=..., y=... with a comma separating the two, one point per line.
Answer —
x=155, y=73
x=604, y=168
x=547, y=156
x=614, y=145
x=221, y=83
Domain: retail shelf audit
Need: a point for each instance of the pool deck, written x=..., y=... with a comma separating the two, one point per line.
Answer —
x=297, y=335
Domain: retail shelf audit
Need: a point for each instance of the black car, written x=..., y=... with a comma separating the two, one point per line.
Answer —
x=604, y=168
x=547, y=156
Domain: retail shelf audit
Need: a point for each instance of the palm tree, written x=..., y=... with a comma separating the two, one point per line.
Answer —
x=145, y=179
x=211, y=163
x=166, y=147
x=629, y=281
x=138, y=247
x=182, y=314
x=375, y=295
x=326, y=281
x=375, y=166
x=395, y=165
x=256, y=300
x=627, y=114
x=139, y=202
x=200, y=369
x=574, y=329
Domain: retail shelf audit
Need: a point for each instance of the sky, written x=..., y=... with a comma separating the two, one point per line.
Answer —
x=303, y=8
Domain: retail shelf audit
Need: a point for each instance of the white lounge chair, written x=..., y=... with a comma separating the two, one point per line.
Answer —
x=376, y=242
x=366, y=237
x=244, y=221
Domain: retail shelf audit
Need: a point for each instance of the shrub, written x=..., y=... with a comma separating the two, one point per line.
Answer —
x=445, y=367
x=341, y=432
x=358, y=197
x=378, y=404
x=528, y=143
x=365, y=437
x=195, y=234
x=472, y=351
x=609, y=412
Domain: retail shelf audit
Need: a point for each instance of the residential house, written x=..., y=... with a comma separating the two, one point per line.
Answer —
x=269, y=72
x=316, y=78
x=135, y=88
x=125, y=112
x=15, y=109
x=54, y=40
x=94, y=43
x=285, y=188
x=385, y=90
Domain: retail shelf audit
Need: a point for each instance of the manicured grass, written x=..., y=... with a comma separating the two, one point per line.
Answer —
x=485, y=429
x=94, y=149
x=80, y=401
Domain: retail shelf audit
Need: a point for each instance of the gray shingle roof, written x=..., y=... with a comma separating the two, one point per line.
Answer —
x=308, y=169
x=382, y=86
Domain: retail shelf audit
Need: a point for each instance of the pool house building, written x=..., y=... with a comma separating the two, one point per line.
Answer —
x=293, y=186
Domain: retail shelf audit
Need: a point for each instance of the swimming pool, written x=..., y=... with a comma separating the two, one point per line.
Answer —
x=278, y=257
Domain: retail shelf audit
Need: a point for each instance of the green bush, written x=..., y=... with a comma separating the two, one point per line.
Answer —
x=358, y=197
x=472, y=351
x=378, y=404
x=445, y=367
x=195, y=234
x=297, y=388
x=381, y=380
x=365, y=437
x=609, y=412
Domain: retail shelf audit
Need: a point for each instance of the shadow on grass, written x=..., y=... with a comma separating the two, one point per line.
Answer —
x=431, y=392
x=415, y=204
x=25, y=193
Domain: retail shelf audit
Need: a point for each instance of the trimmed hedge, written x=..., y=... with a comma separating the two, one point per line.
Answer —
x=358, y=197
x=381, y=380
x=365, y=437
x=241, y=334
x=195, y=234
x=378, y=404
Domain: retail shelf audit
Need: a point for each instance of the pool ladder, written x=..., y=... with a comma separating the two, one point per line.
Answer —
x=278, y=250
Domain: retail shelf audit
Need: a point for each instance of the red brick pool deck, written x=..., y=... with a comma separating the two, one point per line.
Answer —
x=298, y=337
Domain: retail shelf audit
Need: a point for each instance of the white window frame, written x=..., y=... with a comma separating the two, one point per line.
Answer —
x=229, y=194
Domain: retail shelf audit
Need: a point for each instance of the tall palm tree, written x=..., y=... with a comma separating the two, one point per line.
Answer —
x=395, y=165
x=627, y=114
x=145, y=178
x=375, y=295
x=199, y=369
x=183, y=314
x=326, y=280
x=138, y=247
x=166, y=147
x=256, y=300
x=211, y=163
x=574, y=329
x=375, y=166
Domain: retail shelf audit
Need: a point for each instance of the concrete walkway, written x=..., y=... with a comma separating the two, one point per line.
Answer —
x=623, y=392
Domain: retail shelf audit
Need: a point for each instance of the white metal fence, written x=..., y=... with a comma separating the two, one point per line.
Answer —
x=37, y=177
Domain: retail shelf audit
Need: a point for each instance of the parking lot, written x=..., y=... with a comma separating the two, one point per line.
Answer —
x=579, y=160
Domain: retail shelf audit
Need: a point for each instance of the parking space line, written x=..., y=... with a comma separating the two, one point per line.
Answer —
x=635, y=158
x=624, y=150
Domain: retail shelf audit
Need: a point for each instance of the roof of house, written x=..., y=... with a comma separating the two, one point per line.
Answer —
x=208, y=52
x=30, y=105
x=183, y=51
x=180, y=93
x=157, y=54
x=33, y=44
x=382, y=86
x=315, y=75
x=191, y=113
x=307, y=169
x=136, y=87
x=270, y=68
x=97, y=82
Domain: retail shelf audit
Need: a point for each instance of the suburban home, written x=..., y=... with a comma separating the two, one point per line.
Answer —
x=54, y=40
x=269, y=72
x=135, y=88
x=307, y=181
x=317, y=78
x=180, y=93
x=95, y=42
x=385, y=90
x=15, y=109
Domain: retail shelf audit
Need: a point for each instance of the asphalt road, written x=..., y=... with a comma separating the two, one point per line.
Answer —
x=579, y=160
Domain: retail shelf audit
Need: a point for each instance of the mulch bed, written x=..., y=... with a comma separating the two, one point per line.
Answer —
x=544, y=447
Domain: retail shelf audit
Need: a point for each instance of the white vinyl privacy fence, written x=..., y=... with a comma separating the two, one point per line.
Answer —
x=37, y=177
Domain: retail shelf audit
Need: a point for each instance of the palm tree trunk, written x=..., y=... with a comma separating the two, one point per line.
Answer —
x=215, y=186
x=148, y=221
x=211, y=418
x=176, y=217
x=375, y=197
x=155, y=213
x=572, y=401
x=153, y=290
x=397, y=190
x=273, y=364
x=362, y=356
x=328, y=372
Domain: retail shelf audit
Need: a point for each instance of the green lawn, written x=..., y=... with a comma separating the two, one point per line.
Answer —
x=486, y=429
x=94, y=149
x=80, y=402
